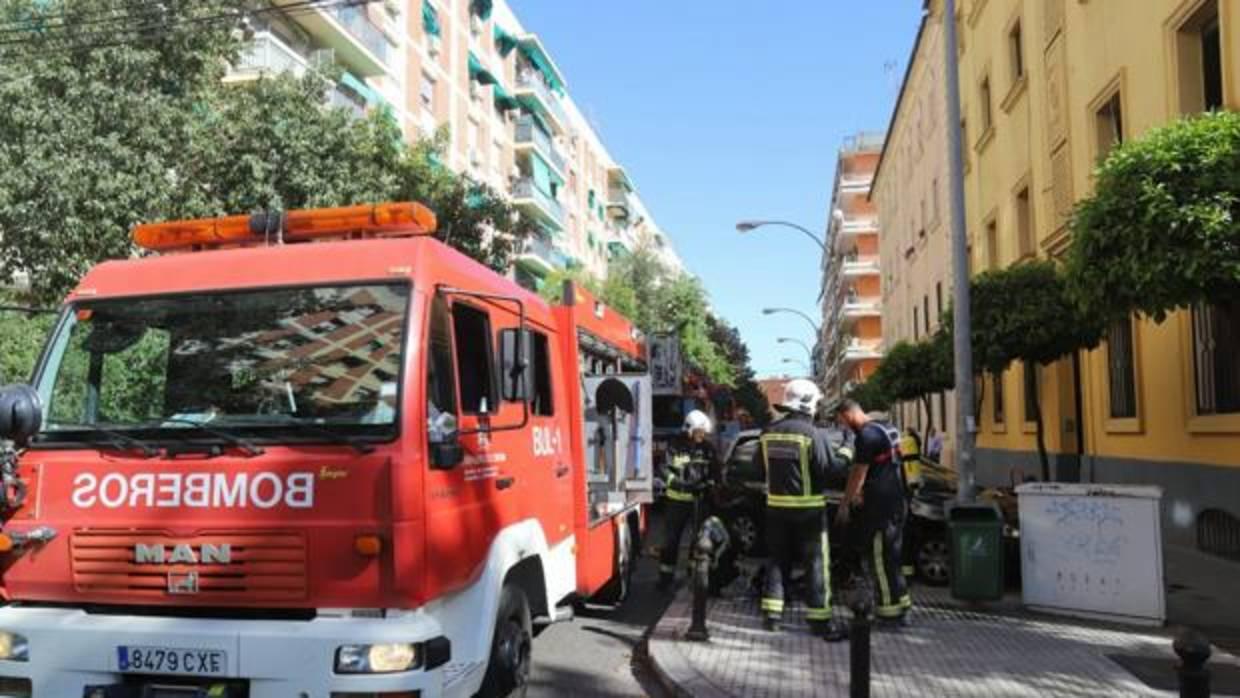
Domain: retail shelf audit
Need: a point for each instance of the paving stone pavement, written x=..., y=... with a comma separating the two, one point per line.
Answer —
x=947, y=652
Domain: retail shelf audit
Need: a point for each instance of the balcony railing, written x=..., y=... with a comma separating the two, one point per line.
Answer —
x=856, y=182
x=527, y=133
x=267, y=54
x=861, y=307
x=859, y=267
x=531, y=81
x=523, y=190
x=859, y=225
x=543, y=253
x=353, y=18
x=618, y=202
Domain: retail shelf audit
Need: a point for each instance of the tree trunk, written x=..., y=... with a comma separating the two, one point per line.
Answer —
x=1037, y=416
x=929, y=415
x=977, y=403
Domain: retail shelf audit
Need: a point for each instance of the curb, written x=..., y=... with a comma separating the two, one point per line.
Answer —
x=669, y=666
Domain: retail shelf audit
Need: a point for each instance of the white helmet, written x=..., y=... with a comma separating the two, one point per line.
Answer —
x=801, y=395
x=697, y=421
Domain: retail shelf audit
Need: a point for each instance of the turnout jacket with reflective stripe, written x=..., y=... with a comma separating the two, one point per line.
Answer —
x=690, y=466
x=796, y=458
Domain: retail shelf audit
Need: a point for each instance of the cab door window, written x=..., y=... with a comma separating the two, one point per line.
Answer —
x=541, y=403
x=440, y=375
x=474, y=359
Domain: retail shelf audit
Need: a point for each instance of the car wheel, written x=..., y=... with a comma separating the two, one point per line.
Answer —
x=933, y=561
x=508, y=670
x=745, y=533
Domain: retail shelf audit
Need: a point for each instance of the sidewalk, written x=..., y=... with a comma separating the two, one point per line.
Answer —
x=950, y=651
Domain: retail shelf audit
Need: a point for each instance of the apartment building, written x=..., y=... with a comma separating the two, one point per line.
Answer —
x=1047, y=88
x=852, y=323
x=911, y=189
x=471, y=68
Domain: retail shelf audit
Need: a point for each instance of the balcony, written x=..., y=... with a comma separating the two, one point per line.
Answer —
x=540, y=257
x=858, y=350
x=530, y=136
x=347, y=100
x=267, y=55
x=618, y=205
x=856, y=183
x=532, y=91
x=859, y=267
x=347, y=30
x=861, y=307
x=858, y=226
x=538, y=204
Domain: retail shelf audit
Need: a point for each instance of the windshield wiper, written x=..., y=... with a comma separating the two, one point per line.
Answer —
x=250, y=448
x=116, y=439
x=294, y=423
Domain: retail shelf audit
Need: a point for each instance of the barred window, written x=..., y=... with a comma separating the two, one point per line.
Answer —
x=1121, y=370
x=1216, y=354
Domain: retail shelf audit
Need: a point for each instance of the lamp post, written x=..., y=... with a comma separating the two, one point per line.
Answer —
x=789, y=340
x=800, y=363
x=772, y=311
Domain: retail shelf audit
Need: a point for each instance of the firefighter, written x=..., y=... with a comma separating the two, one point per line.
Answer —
x=692, y=463
x=875, y=508
x=796, y=458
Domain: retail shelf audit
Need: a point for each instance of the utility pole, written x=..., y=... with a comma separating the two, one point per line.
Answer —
x=961, y=315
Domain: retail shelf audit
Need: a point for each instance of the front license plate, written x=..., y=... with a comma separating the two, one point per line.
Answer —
x=171, y=660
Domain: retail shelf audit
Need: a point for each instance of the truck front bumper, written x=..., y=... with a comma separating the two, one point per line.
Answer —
x=71, y=650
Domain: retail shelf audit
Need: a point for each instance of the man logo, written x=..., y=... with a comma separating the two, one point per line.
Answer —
x=182, y=554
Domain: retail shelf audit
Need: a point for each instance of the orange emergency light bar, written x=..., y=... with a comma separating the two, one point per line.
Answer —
x=403, y=218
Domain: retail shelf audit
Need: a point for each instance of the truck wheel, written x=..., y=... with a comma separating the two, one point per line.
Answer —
x=745, y=531
x=508, y=669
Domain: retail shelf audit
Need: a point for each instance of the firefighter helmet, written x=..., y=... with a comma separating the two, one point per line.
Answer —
x=801, y=395
x=697, y=421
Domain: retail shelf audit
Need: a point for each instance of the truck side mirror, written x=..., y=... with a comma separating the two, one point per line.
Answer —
x=21, y=413
x=446, y=455
x=516, y=368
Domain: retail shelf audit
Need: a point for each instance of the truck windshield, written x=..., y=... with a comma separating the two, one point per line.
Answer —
x=264, y=361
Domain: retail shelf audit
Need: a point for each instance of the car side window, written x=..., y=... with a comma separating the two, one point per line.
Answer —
x=474, y=359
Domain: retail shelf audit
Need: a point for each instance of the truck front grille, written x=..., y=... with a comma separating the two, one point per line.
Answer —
x=208, y=567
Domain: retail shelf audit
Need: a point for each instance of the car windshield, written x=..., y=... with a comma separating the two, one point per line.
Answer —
x=264, y=360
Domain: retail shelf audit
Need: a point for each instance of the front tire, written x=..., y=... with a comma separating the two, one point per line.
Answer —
x=508, y=669
x=933, y=561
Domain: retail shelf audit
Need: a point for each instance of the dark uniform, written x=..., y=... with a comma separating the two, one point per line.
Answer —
x=796, y=457
x=690, y=468
x=878, y=529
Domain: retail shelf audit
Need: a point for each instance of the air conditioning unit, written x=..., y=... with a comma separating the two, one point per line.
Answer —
x=475, y=157
x=475, y=24
x=475, y=92
x=433, y=45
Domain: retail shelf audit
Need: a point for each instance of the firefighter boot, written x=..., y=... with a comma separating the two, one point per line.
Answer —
x=833, y=630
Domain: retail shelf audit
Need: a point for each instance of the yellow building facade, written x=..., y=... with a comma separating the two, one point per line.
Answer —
x=1047, y=88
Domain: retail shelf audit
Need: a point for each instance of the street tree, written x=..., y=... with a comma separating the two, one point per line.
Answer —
x=1026, y=313
x=1162, y=229
x=916, y=371
x=872, y=394
x=746, y=393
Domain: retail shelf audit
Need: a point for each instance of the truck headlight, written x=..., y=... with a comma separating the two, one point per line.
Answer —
x=382, y=658
x=14, y=647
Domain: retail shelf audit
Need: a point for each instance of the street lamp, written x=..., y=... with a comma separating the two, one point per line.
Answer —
x=800, y=363
x=746, y=226
x=772, y=311
x=789, y=340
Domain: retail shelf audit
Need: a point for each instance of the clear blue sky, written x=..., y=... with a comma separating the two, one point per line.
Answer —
x=727, y=110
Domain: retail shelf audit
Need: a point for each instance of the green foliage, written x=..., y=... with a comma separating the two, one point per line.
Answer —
x=872, y=395
x=747, y=395
x=913, y=371
x=1162, y=229
x=553, y=285
x=21, y=340
x=96, y=140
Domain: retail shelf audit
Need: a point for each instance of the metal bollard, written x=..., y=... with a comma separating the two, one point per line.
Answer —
x=703, y=548
x=862, y=606
x=1193, y=649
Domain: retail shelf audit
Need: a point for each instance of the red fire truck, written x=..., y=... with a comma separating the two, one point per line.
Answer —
x=317, y=454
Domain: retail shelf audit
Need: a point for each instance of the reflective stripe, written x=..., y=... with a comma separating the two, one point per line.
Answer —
x=667, y=569
x=804, y=445
x=845, y=452
x=896, y=609
x=773, y=605
x=787, y=501
x=880, y=571
x=817, y=614
x=907, y=570
x=678, y=496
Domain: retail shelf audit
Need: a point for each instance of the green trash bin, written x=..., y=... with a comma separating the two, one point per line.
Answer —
x=975, y=539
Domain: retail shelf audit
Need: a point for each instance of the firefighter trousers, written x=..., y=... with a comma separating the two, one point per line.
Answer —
x=798, y=537
x=679, y=515
x=879, y=547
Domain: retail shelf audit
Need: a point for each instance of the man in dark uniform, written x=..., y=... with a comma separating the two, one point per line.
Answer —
x=796, y=457
x=691, y=464
x=875, y=508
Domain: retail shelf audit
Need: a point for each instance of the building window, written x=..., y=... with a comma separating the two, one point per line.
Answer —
x=987, y=115
x=1200, y=61
x=1024, y=223
x=1121, y=370
x=925, y=313
x=427, y=92
x=992, y=245
x=938, y=299
x=916, y=325
x=1016, y=48
x=934, y=201
x=1216, y=354
x=1109, y=124
x=997, y=400
x=1031, y=391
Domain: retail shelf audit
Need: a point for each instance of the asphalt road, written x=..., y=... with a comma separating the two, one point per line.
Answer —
x=598, y=652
